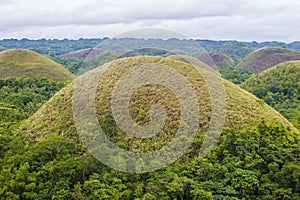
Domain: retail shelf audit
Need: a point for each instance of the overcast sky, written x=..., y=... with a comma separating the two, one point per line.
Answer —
x=245, y=20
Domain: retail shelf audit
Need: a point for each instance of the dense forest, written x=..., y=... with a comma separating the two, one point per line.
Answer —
x=22, y=97
x=260, y=163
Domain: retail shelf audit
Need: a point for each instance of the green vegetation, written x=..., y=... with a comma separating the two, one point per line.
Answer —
x=253, y=163
x=265, y=58
x=22, y=97
x=257, y=155
x=226, y=66
x=71, y=64
x=254, y=158
x=280, y=88
x=234, y=75
x=24, y=86
x=17, y=63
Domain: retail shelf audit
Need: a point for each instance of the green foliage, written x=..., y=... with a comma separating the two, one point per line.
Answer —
x=22, y=97
x=71, y=64
x=253, y=163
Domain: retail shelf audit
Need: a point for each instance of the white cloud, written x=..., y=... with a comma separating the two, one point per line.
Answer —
x=213, y=19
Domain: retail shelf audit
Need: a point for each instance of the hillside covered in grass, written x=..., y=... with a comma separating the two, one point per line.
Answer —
x=255, y=158
x=20, y=63
x=280, y=88
x=265, y=58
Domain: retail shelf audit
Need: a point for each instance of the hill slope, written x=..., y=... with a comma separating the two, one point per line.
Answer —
x=265, y=58
x=280, y=88
x=26, y=63
x=242, y=107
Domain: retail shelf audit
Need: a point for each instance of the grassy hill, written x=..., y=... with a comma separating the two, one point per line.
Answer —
x=26, y=63
x=254, y=158
x=280, y=88
x=242, y=107
x=265, y=58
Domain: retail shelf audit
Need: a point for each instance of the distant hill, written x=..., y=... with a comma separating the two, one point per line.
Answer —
x=211, y=59
x=265, y=58
x=279, y=86
x=22, y=97
x=26, y=63
x=83, y=53
x=215, y=59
